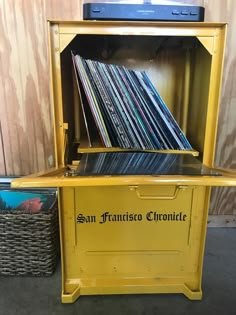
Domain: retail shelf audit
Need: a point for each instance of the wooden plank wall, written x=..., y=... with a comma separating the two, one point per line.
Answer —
x=25, y=116
x=223, y=200
x=24, y=79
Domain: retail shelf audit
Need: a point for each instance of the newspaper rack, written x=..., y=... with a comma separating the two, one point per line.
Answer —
x=134, y=233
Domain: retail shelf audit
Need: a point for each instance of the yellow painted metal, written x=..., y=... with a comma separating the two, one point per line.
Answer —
x=208, y=43
x=83, y=149
x=56, y=94
x=65, y=40
x=187, y=78
x=137, y=234
x=138, y=28
x=199, y=99
x=214, y=96
x=140, y=252
x=204, y=101
x=58, y=179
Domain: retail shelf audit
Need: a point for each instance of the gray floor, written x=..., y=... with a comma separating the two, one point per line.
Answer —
x=38, y=296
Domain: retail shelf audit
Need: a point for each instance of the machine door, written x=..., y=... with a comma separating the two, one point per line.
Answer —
x=132, y=169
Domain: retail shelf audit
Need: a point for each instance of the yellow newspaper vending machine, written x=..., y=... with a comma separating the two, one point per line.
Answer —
x=134, y=220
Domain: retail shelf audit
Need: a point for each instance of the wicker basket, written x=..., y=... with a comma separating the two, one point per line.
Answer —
x=28, y=242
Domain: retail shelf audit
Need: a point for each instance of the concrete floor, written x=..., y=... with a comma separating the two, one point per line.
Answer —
x=41, y=296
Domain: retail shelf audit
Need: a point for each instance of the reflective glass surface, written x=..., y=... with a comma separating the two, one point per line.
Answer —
x=141, y=163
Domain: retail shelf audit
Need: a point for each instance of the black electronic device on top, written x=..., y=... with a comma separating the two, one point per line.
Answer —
x=142, y=12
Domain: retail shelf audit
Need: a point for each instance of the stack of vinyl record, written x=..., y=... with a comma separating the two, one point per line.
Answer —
x=127, y=110
x=141, y=163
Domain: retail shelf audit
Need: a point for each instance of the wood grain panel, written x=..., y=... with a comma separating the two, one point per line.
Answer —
x=224, y=199
x=192, y=2
x=25, y=107
x=64, y=10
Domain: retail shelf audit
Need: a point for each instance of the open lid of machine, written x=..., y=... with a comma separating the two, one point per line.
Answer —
x=131, y=168
x=140, y=163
